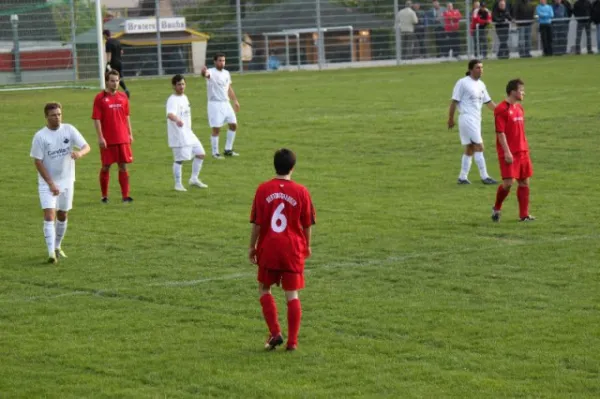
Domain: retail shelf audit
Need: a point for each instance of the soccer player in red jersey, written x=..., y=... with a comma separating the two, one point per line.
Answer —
x=513, y=150
x=113, y=127
x=282, y=218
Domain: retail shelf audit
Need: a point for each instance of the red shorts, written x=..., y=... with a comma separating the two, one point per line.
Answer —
x=117, y=153
x=289, y=281
x=521, y=167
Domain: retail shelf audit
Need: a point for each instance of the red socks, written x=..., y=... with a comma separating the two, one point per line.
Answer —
x=269, y=309
x=501, y=195
x=104, y=178
x=523, y=197
x=294, y=314
x=124, y=182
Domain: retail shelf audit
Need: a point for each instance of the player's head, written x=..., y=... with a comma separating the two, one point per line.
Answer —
x=284, y=161
x=112, y=78
x=219, y=60
x=515, y=89
x=106, y=33
x=178, y=82
x=475, y=69
x=53, y=114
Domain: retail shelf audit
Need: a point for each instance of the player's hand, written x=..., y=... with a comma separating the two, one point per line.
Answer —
x=451, y=123
x=130, y=138
x=508, y=158
x=75, y=155
x=204, y=71
x=252, y=255
x=180, y=123
x=102, y=142
x=55, y=191
x=308, y=252
x=236, y=106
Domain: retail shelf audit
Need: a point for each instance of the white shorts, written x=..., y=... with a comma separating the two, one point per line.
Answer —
x=220, y=113
x=469, y=131
x=187, y=153
x=62, y=201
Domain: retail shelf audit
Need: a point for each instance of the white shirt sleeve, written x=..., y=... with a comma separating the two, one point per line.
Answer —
x=171, y=106
x=486, y=96
x=37, y=148
x=457, y=93
x=77, y=138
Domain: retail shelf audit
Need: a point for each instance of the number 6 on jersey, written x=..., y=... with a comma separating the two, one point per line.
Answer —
x=278, y=220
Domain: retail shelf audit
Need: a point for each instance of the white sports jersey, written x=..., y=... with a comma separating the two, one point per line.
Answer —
x=470, y=94
x=218, y=85
x=180, y=136
x=54, y=148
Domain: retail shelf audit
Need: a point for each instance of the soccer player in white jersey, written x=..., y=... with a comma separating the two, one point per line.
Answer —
x=469, y=95
x=182, y=140
x=54, y=154
x=220, y=111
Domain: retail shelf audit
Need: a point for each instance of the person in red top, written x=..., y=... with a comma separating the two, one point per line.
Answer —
x=282, y=217
x=513, y=150
x=482, y=17
x=113, y=127
x=452, y=18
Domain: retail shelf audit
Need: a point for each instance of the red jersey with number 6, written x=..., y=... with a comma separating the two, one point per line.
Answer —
x=282, y=209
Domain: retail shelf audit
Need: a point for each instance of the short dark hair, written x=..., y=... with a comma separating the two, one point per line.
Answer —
x=51, y=107
x=472, y=64
x=218, y=55
x=177, y=78
x=284, y=161
x=513, y=85
x=111, y=72
x=106, y=32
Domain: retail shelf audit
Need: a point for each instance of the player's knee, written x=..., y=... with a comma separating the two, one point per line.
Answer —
x=263, y=290
x=478, y=147
x=291, y=295
x=179, y=162
x=61, y=216
x=49, y=215
x=105, y=168
x=523, y=183
x=469, y=150
x=122, y=167
x=233, y=127
x=200, y=156
x=507, y=184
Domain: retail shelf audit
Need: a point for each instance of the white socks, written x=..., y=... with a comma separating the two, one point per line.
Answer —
x=196, y=167
x=480, y=161
x=230, y=139
x=214, y=142
x=61, y=229
x=50, y=236
x=177, y=172
x=465, y=166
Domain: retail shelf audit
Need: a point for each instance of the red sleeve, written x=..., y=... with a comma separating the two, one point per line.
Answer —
x=500, y=117
x=97, y=112
x=308, y=211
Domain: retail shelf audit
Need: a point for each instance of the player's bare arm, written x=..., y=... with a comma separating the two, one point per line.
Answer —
x=82, y=151
x=130, y=130
x=46, y=176
x=175, y=118
x=451, y=113
x=253, y=240
x=233, y=97
x=508, y=158
x=308, y=234
x=491, y=105
x=205, y=72
x=98, y=127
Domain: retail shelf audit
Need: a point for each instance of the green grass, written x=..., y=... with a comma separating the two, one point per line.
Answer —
x=411, y=291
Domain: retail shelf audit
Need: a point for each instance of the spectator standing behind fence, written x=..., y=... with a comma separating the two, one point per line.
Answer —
x=560, y=28
x=523, y=13
x=582, y=10
x=595, y=18
x=420, y=50
x=479, y=25
x=502, y=18
x=406, y=20
x=452, y=18
x=435, y=20
x=545, y=14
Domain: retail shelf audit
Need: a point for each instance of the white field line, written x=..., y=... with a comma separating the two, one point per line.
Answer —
x=345, y=265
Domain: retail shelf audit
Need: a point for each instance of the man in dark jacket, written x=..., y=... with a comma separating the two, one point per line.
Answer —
x=501, y=18
x=523, y=12
x=596, y=19
x=582, y=10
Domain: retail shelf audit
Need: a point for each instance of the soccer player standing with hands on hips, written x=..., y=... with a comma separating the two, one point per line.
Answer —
x=54, y=157
x=282, y=217
x=181, y=138
x=113, y=127
x=469, y=95
x=219, y=91
x=513, y=150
